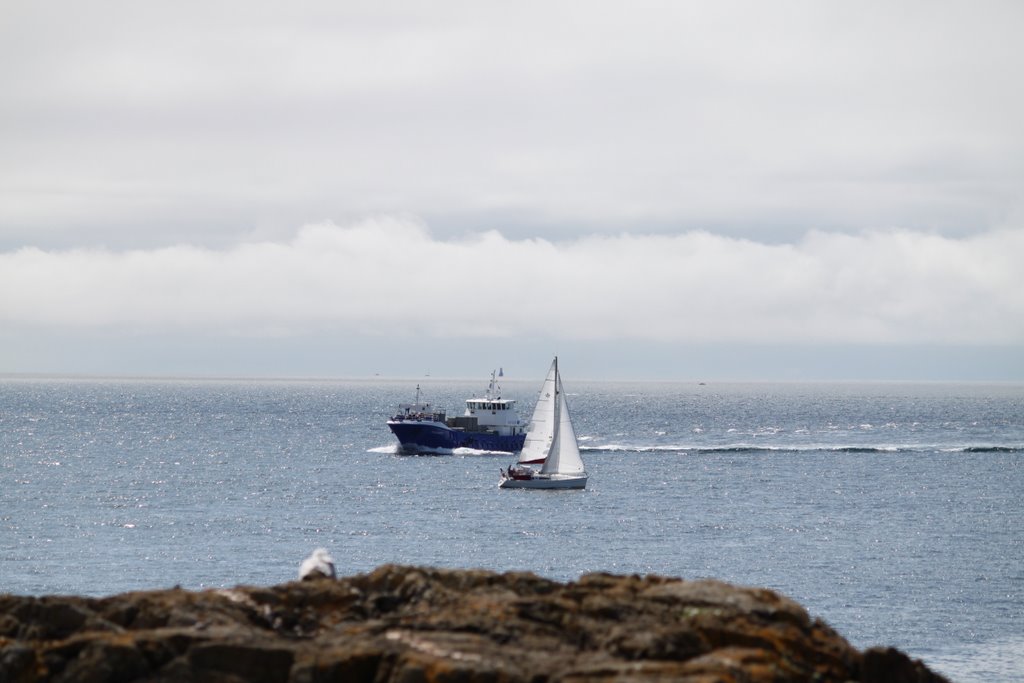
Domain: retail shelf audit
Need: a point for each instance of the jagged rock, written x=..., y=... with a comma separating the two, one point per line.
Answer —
x=413, y=624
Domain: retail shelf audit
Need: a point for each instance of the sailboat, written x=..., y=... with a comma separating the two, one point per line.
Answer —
x=550, y=443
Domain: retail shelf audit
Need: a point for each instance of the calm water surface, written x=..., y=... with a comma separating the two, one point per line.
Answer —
x=891, y=511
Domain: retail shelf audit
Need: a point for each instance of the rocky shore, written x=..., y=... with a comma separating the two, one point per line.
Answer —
x=402, y=624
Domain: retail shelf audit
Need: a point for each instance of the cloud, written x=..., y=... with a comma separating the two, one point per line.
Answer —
x=130, y=124
x=390, y=276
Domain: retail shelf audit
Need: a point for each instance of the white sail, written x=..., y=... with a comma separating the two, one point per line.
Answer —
x=564, y=456
x=541, y=431
x=551, y=440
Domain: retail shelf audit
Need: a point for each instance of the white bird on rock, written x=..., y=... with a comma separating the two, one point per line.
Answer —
x=318, y=565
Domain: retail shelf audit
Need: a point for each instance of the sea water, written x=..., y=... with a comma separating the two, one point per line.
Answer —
x=892, y=511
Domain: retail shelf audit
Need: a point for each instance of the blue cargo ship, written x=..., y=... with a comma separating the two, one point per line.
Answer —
x=489, y=423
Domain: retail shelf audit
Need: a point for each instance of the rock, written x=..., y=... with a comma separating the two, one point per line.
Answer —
x=416, y=624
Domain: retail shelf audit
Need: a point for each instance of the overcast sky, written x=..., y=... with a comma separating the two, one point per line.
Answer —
x=738, y=190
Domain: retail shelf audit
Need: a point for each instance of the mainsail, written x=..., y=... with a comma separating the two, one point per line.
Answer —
x=541, y=431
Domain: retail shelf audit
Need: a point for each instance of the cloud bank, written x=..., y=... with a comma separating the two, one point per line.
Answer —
x=390, y=276
x=135, y=124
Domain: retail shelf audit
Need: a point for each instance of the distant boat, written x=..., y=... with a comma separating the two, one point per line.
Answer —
x=550, y=443
x=490, y=423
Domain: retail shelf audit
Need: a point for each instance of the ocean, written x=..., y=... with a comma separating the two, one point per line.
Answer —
x=892, y=511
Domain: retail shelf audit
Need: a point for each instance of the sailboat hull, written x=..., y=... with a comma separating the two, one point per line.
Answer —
x=540, y=481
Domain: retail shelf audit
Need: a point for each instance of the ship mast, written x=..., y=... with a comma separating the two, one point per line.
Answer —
x=493, y=390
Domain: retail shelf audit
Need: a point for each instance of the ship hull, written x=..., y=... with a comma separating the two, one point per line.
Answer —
x=415, y=436
x=554, y=481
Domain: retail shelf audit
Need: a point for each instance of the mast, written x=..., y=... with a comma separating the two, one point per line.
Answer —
x=558, y=415
x=558, y=407
x=494, y=389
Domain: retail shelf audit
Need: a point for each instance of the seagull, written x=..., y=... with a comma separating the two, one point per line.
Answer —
x=318, y=565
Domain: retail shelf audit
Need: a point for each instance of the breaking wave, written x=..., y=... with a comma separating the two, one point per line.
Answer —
x=746, y=449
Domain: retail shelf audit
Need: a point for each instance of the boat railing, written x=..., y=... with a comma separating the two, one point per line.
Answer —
x=419, y=417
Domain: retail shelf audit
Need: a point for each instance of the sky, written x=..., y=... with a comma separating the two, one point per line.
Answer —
x=735, y=190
